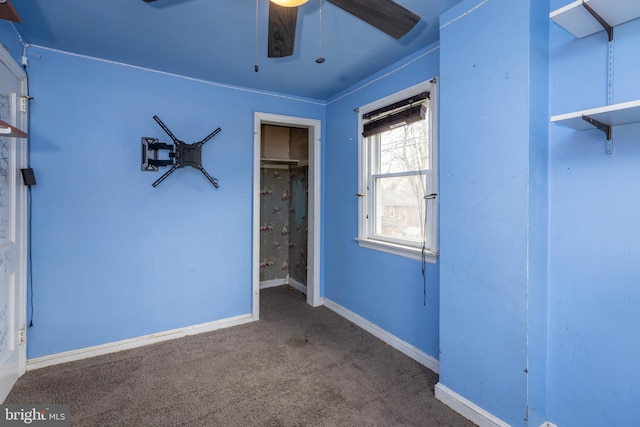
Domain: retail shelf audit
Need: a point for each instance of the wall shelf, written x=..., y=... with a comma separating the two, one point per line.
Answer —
x=576, y=19
x=8, y=12
x=603, y=118
x=280, y=161
x=613, y=115
x=583, y=18
x=7, y=130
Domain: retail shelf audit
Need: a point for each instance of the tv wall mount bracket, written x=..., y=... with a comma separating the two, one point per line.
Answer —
x=180, y=154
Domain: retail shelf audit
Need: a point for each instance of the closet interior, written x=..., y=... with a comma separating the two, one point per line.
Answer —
x=284, y=203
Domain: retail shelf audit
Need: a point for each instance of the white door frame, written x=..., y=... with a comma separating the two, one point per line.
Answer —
x=20, y=209
x=313, y=210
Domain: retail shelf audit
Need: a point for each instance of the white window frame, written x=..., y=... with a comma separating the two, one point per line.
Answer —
x=366, y=200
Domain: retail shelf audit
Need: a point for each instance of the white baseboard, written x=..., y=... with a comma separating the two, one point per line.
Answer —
x=280, y=282
x=297, y=285
x=467, y=409
x=395, y=342
x=113, y=347
x=265, y=284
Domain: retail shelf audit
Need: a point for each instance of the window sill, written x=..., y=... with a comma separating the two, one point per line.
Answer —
x=405, y=251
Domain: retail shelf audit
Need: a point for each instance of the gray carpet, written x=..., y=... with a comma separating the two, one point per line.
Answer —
x=297, y=366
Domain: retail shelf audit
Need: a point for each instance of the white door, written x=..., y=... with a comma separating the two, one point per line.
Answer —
x=12, y=226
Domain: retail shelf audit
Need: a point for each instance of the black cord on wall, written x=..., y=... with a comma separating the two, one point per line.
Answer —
x=30, y=204
x=30, y=266
x=424, y=255
x=27, y=173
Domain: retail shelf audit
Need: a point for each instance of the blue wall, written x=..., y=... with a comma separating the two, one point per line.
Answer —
x=594, y=274
x=538, y=194
x=10, y=40
x=538, y=234
x=493, y=190
x=385, y=289
x=115, y=258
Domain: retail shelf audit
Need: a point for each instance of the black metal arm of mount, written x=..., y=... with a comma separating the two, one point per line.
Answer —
x=165, y=175
x=175, y=140
x=211, y=179
x=208, y=137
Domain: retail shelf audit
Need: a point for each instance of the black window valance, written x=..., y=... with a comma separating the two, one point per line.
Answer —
x=408, y=110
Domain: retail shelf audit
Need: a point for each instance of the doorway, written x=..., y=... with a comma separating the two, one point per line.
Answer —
x=297, y=128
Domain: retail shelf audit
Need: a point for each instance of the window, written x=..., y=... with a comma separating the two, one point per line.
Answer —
x=398, y=174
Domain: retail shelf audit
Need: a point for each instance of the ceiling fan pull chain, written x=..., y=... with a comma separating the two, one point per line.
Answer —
x=320, y=59
x=255, y=67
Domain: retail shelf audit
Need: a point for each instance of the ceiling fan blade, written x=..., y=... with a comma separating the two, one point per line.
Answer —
x=386, y=15
x=282, y=30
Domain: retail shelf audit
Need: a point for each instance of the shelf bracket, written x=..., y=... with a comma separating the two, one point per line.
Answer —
x=604, y=128
x=608, y=28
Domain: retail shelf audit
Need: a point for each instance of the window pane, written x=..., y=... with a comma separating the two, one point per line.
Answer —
x=404, y=148
x=399, y=207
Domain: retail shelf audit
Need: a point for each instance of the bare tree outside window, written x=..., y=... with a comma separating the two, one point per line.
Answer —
x=400, y=163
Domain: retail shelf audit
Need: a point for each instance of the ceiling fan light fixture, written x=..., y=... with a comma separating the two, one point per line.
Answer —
x=289, y=3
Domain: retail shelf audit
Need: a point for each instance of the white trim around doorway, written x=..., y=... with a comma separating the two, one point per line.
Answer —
x=313, y=251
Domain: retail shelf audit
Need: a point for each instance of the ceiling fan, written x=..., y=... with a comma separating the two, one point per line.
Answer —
x=385, y=15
